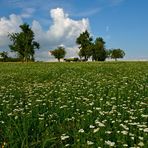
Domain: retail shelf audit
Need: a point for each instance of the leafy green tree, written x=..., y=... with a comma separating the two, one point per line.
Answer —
x=58, y=53
x=98, y=50
x=117, y=53
x=85, y=42
x=4, y=56
x=23, y=43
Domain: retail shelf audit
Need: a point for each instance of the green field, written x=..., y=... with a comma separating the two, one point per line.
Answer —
x=78, y=105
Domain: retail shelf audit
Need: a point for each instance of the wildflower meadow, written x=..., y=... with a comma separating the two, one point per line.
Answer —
x=75, y=105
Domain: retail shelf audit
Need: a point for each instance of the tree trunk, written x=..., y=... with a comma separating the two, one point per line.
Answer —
x=25, y=59
x=58, y=60
x=85, y=58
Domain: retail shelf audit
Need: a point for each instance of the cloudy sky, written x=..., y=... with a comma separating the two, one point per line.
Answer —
x=122, y=23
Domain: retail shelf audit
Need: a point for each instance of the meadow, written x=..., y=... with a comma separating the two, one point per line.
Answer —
x=75, y=105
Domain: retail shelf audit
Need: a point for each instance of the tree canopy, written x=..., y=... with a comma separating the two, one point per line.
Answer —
x=58, y=53
x=117, y=53
x=23, y=43
x=98, y=50
x=88, y=48
x=85, y=42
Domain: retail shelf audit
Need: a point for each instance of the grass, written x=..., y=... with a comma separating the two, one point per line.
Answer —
x=74, y=105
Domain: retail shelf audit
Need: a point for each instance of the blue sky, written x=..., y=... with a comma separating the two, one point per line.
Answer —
x=122, y=23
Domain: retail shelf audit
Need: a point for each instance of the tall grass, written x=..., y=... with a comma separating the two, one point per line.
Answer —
x=74, y=104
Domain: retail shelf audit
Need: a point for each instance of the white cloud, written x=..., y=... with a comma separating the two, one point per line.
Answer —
x=107, y=36
x=8, y=25
x=27, y=13
x=87, y=13
x=63, y=30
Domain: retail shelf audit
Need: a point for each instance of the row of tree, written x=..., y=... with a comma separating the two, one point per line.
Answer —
x=90, y=49
x=24, y=45
x=115, y=54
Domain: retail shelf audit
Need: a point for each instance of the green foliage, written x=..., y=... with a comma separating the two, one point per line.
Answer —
x=58, y=53
x=85, y=42
x=117, y=53
x=10, y=59
x=77, y=105
x=23, y=43
x=98, y=50
x=71, y=59
x=89, y=49
x=4, y=56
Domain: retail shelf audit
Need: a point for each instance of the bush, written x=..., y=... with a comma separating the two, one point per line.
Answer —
x=72, y=60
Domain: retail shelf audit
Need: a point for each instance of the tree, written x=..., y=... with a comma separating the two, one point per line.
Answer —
x=85, y=42
x=117, y=53
x=58, y=53
x=4, y=56
x=23, y=43
x=98, y=50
